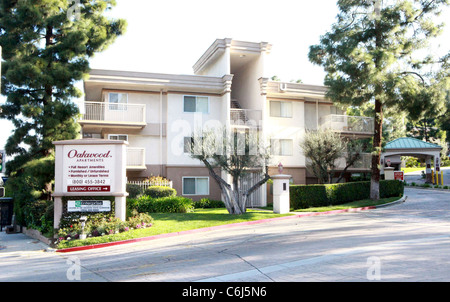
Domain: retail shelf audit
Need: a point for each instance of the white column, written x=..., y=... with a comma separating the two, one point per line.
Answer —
x=281, y=199
x=121, y=207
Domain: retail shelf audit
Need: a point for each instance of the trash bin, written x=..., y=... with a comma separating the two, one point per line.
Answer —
x=6, y=211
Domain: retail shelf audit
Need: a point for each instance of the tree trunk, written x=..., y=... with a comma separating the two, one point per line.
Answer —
x=378, y=119
x=376, y=155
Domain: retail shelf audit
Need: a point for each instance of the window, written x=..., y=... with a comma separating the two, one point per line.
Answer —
x=280, y=109
x=118, y=137
x=283, y=147
x=195, y=185
x=196, y=104
x=117, y=101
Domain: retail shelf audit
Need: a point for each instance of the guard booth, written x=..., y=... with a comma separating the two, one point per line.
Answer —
x=408, y=146
x=6, y=211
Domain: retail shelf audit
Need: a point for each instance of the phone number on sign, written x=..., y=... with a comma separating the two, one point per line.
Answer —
x=88, y=182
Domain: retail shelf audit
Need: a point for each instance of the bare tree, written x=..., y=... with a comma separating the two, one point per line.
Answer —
x=236, y=153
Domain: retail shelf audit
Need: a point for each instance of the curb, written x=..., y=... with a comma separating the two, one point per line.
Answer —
x=219, y=227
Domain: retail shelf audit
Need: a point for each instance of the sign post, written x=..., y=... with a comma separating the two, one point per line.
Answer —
x=90, y=168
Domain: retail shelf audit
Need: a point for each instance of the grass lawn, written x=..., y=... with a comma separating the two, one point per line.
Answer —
x=407, y=170
x=202, y=218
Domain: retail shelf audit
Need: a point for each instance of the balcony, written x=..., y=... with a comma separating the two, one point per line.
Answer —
x=136, y=159
x=360, y=126
x=245, y=118
x=113, y=115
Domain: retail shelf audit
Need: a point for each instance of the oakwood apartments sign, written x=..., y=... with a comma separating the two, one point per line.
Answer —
x=90, y=168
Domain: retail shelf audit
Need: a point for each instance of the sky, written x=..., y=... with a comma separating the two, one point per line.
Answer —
x=169, y=36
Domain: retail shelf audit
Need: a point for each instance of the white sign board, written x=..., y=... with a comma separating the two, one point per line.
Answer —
x=88, y=168
x=88, y=206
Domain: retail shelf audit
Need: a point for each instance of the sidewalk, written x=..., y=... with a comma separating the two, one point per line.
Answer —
x=19, y=243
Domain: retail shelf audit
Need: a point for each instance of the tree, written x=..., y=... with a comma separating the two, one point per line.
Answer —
x=371, y=55
x=424, y=129
x=236, y=154
x=323, y=148
x=46, y=49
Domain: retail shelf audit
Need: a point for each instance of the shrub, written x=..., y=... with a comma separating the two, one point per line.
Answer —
x=100, y=225
x=170, y=204
x=305, y=196
x=391, y=188
x=206, y=203
x=160, y=191
x=134, y=190
x=347, y=192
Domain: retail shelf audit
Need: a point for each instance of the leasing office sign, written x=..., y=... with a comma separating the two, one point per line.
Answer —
x=93, y=168
x=88, y=168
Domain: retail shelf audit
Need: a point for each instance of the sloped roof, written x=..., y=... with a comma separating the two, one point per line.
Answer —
x=410, y=143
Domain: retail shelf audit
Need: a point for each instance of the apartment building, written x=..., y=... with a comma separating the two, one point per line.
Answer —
x=157, y=114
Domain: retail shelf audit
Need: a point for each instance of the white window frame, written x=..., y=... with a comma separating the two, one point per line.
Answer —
x=109, y=136
x=195, y=177
x=281, y=102
x=278, y=142
x=196, y=96
x=119, y=106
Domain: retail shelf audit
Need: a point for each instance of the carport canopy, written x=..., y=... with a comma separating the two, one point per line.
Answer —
x=408, y=146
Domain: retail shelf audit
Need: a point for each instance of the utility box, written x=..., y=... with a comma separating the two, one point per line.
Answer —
x=281, y=198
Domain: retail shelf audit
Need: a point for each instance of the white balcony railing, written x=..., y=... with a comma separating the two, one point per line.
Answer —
x=136, y=158
x=113, y=113
x=245, y=117
x=348, y=124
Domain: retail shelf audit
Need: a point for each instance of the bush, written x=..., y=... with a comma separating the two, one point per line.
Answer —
x=100, y=225
x=170, y=204
x=306, y=196
x=348, y=192
x=160, y=191
x=206, y=203
x=134, y=190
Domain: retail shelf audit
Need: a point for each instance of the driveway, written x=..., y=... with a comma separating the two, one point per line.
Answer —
x=417, y=176
x=405, y=242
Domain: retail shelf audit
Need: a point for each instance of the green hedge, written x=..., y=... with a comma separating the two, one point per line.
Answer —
x=170, y=204
x=306, y=196
x=160, y=191
x=206, y=203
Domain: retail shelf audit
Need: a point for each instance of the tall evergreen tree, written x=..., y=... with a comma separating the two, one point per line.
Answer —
x=46, y=49
x=371, y=55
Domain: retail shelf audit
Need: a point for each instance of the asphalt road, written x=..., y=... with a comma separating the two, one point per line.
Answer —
x=404, y=242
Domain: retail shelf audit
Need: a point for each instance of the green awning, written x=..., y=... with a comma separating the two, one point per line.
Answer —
x=410, y=143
